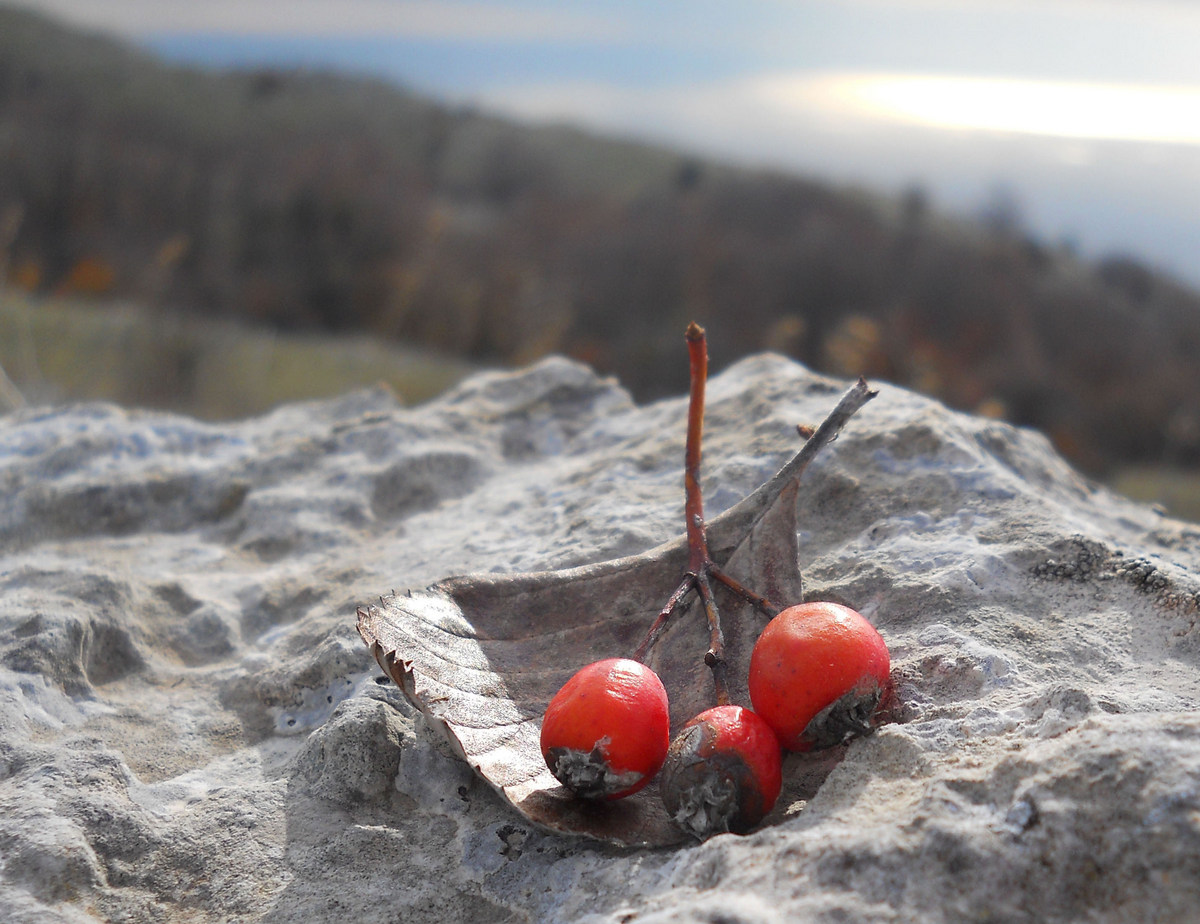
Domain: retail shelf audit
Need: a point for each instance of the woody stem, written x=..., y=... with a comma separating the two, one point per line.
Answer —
x=656, y=629
x=715, y=656
x=759, y=602
x=699, y=562
x=693, y=508
x=700, y=565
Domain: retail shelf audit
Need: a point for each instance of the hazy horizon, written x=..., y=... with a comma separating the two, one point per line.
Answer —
x=1087, y=115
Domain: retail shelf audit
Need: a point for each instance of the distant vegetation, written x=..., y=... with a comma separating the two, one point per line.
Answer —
x=63, y=349
x=310, y=202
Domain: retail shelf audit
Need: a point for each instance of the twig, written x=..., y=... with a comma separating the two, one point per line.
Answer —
x=702, y=570
x=686, y=587
x=831, y=426
x=693, y=509
x=762, y=604
x=715, y=656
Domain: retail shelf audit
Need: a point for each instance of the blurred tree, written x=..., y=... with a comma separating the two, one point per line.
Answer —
x=310, y=201
x=1001, y=211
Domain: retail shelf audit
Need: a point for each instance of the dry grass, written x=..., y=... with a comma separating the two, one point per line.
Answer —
x=56, y=351
x=1176, y=489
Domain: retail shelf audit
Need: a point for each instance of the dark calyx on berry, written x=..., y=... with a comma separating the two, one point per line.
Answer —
x=849, y=716
x=710, y=787
x=588, y=774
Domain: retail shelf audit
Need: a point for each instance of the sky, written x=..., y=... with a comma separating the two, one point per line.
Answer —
x=1084, y=113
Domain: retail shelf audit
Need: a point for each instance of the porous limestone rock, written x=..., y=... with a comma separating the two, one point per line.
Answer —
x=191, y=729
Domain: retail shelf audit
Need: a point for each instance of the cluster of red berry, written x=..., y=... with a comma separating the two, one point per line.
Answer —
x=818, y=673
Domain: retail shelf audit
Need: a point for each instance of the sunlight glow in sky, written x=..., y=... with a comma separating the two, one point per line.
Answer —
x=1088, y=111
x=1118, y=112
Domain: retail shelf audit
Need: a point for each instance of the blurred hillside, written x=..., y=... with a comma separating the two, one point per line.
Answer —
x=312, y=202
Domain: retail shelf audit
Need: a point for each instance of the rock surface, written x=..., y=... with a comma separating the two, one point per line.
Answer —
x=191, y=729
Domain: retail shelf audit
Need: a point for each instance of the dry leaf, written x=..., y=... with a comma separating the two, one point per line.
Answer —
x=482, y=655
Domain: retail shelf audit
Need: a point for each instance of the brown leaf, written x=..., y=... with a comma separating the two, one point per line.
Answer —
x=482, y=655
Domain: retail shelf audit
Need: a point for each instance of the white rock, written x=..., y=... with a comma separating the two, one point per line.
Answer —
x=190, y=727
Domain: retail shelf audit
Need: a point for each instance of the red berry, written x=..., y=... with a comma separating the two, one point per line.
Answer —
x=605, y=733
x=723, y=772
x=817, y=675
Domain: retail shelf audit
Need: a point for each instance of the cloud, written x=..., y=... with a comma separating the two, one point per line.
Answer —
x=414, y=19
x=1129, y=184
x=1053, y=108
x=781, y=116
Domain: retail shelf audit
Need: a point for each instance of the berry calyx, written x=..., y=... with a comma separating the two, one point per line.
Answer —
x=723, y=772
x=606, y=731
x=817, y=675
